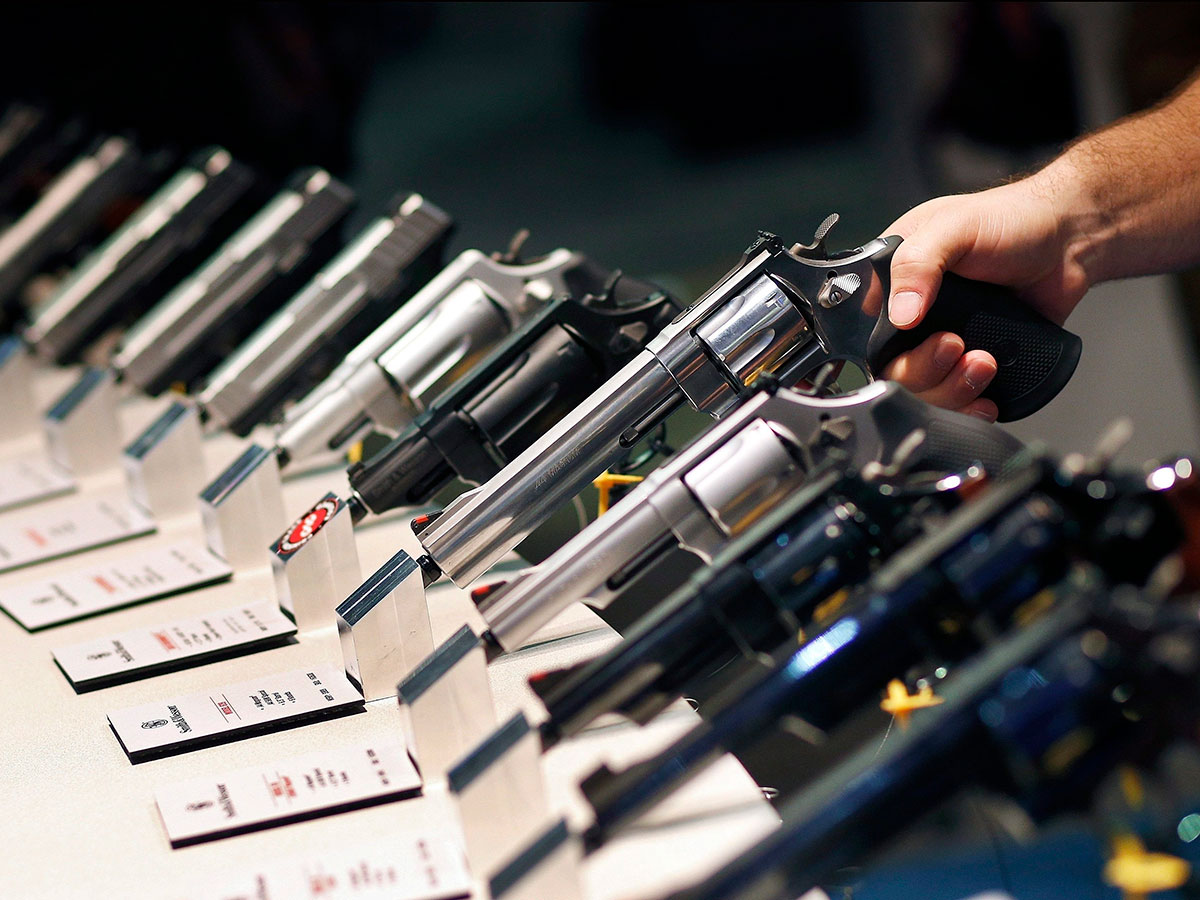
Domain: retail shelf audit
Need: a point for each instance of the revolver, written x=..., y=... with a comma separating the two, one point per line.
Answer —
x=266, y=260
x=34, y=147
x=447, y=328
x=164, y=240
x=758, y=593
x=940, y=598
x=727, y=479
x=302, y=342
x=1004, y=723
x=780, y=311
x=69, y=211
x=535, y=377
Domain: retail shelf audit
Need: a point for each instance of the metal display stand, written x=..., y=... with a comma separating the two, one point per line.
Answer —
x=18, y=410
x=83, y=428
x=164, y=466
x=315, y=564
x=242, y=509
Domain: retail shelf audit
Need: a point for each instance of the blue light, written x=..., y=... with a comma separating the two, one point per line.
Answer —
x=822, y=647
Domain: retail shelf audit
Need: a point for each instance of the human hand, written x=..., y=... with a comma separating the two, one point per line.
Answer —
x=1014, y=235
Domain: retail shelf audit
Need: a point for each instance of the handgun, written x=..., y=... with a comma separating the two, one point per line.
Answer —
x=71, y=209
x=941, y=597
x=301, y=343
x=1040, y=717
x=205, y=316
x=164, y=240
x=758, y=593
x=34, y=147
x=780, y=311
x=447, y=328
x=530, y=381
x=727, y=479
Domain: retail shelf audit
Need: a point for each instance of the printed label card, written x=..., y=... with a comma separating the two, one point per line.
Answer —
x=54, y=530
x=272, y=702
x=316, y=784
x=89, y=590
x=24, y=481
x=153, y=650
x=421, y=869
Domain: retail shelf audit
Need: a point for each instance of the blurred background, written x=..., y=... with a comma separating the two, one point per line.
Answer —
x=660, y=139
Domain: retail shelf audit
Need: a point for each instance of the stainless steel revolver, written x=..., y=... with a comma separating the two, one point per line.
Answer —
x=727, y=479
x=785, y=311
x=352, y=295
x=439, y=335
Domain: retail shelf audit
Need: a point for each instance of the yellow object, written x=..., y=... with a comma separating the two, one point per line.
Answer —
x=829, y=607
x=1132, y=787
x=1137, y=873
x=901, y=704
x=354, y=453
x=605, y=483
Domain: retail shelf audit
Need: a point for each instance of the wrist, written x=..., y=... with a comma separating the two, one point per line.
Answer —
x=1082, y=227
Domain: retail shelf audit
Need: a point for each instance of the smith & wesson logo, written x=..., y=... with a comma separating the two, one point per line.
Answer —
x=307, y=525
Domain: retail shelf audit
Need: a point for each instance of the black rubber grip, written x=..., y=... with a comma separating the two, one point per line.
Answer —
x=1035, y=357
x=954, y=442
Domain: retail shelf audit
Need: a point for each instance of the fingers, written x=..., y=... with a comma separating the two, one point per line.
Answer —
x=934, y=244
x=927, y=364
x=963, y=384
x=939, y=372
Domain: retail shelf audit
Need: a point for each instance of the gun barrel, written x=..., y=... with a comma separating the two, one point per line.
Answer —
x=204, y=317
x=69, y=209
x=482, y=526
x=154, y=248
x=344, y=302
x=423, y=348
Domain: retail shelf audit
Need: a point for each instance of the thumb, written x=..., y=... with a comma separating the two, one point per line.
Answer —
x=919, y=264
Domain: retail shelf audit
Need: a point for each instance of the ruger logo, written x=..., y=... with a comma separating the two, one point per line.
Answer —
x=154, y=723
x=307, y=525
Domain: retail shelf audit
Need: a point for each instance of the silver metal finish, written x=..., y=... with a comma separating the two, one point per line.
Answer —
x=242, y=509
x=686, y=360
x=449, y=702
x=164, y=466
x=315, y=565
x=478, y=528
x=712, y=489
x=67, y=305
x=753, y=330
x=384, y=628
x=723, y=482
x=387, y=383
x=274, y=241
x=368, y=268
x=70, y=203
x=501, y=794
x=18, y=410
x=83, y=428
x=555, y=872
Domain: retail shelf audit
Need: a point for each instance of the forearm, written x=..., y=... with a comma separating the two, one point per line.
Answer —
x=1129, y=195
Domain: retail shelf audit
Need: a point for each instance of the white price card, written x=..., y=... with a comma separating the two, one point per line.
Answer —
x=25, y=481
x=329, y=781
x=396, y=869
x=136, y=578
x=152, y=650
x=67, y=526
x=268, y=703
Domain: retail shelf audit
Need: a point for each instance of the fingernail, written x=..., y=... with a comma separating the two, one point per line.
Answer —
x=985, y=414
x=978, y=373
x=904, y=308
x=946, y=353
